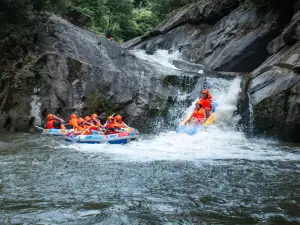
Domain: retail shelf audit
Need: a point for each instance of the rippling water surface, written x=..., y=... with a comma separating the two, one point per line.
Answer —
x=165, y=179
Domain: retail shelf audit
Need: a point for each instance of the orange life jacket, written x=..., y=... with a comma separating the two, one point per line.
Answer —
x=112, y=125
x=87, y=130
x=84, y=129
x=199, y=114
x=73, y=122
x=49, y=124
x=206, y=103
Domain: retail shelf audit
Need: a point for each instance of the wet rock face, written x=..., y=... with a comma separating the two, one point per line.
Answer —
x=223, y=36
x=276, y=100
x=75, y=71
x=275, y=91
x=275, y=87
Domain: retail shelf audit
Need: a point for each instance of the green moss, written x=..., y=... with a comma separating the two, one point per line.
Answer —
x=96, y=102
x=262, y=106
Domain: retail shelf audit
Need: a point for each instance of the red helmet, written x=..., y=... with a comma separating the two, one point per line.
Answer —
x=49, y=117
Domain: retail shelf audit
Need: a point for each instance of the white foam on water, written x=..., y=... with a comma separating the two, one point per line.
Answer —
x=161, y=57
x=220, y=141
x=212, y=143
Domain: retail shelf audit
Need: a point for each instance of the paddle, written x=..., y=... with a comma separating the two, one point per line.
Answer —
x=40, y=128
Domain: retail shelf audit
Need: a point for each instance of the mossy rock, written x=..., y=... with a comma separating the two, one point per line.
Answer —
x=96, y=102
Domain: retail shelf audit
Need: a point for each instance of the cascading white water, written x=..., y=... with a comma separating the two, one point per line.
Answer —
x=161, y=57
x=220, y=141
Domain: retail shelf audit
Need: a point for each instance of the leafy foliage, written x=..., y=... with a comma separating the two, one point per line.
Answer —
x=125, y=19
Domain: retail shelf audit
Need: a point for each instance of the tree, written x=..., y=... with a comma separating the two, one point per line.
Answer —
x=119, y=11
x=96, y=9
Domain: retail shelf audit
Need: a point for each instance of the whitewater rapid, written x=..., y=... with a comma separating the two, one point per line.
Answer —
x=220, y=141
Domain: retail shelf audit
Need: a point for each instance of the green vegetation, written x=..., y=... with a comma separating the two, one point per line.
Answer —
x=98, y=104
x=125, y=19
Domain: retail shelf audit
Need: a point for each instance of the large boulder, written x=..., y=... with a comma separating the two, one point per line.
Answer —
x=275, y=91
x=222, y=36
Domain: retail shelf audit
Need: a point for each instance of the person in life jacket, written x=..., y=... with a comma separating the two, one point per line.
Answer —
x=54, y=122
x=83, y=128
x=206, y=102
x=119, y=120
x=95, y=120
x=206, y=92
x=198, y=115
x=89, y=122
x=111, y=126
x=73, y=121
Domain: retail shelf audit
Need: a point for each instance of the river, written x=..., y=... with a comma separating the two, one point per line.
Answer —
x=218, y=176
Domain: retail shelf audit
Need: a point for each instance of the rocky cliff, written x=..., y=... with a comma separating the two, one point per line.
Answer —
x=71, y=70
x=241, y=36
x=275, y=86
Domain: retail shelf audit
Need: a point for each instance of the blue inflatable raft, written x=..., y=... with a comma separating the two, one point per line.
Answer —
x=56, y=132
x=128, y=134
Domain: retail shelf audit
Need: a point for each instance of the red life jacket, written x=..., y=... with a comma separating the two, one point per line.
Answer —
x=49, y=124
x=199, y=114
x=206, y=103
